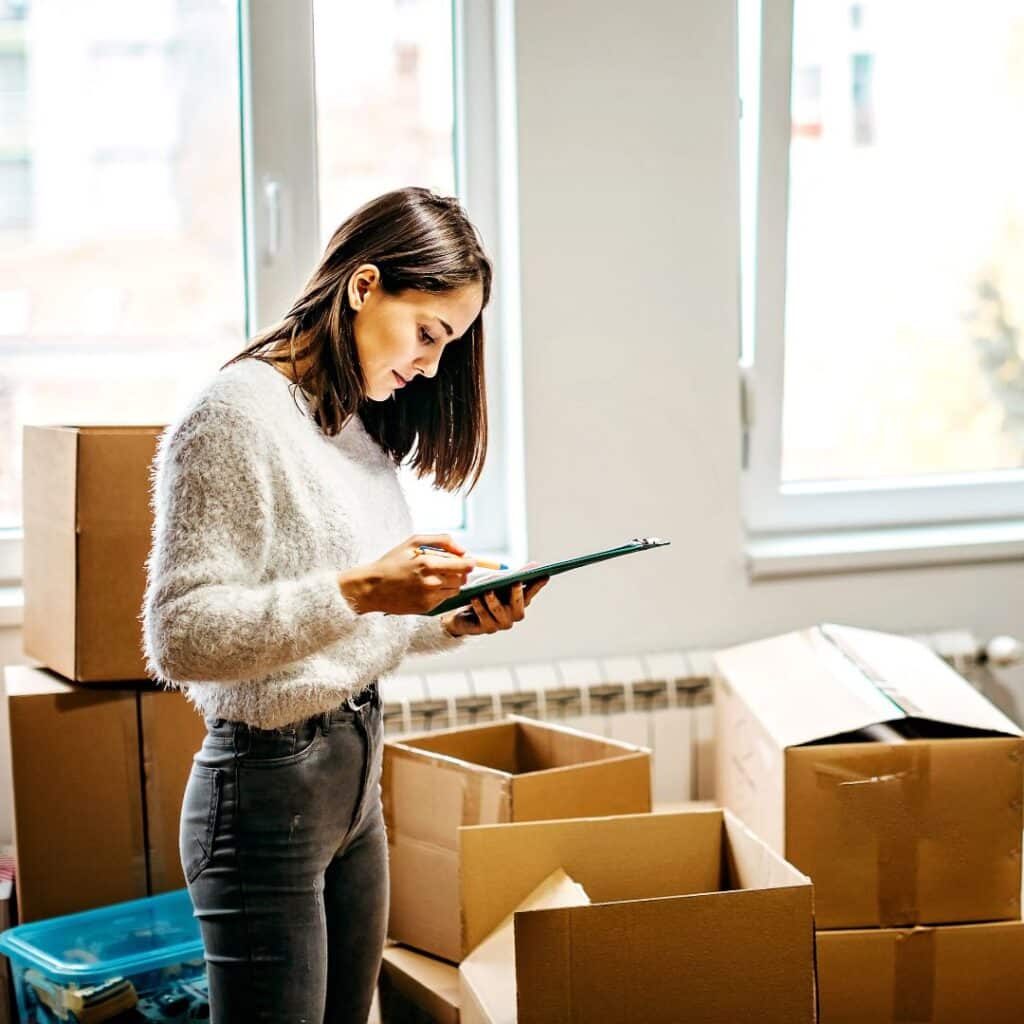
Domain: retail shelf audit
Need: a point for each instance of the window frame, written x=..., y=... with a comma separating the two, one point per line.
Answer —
x=769, y=505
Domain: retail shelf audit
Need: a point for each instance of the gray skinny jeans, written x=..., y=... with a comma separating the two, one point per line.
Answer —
x=283, y=847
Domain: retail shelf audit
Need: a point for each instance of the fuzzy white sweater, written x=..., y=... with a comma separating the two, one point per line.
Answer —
x=256, y=511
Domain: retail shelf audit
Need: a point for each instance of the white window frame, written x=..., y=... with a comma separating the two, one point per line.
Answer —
x=279, y=184
x=771, y=507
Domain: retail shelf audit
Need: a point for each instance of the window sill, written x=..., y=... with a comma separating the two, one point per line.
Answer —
x=786, y=555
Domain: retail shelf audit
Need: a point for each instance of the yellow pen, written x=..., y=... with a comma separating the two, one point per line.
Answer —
x=481, y=563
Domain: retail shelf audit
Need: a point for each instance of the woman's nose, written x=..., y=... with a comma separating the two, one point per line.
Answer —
x=428, y=369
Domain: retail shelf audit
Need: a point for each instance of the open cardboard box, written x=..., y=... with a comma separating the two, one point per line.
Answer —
x=691, y=917
x=512, y=770
x=87, y=534
x=922, y=827
x=945, y=975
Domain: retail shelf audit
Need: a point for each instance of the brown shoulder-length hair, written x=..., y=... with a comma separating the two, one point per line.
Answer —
x=417, y=240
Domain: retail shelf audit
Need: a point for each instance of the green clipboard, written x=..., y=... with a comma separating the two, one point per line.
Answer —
x=499, y=582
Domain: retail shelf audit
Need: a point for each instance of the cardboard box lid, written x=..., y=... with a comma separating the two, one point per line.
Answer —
x=829, y=679
x=430, y=984
x=487, y=977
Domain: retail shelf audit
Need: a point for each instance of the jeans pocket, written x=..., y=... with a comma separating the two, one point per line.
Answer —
x=265, y=748
x=199, y=813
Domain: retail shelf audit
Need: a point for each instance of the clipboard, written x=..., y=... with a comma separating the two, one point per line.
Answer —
x=502, y=580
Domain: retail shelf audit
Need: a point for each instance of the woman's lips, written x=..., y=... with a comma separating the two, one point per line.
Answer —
x=401, y=380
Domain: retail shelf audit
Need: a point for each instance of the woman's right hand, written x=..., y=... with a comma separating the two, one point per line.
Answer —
x=406, y=581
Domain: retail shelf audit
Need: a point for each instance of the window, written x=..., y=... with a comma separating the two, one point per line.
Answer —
x=120, y=225
x=159, y=207
x=883, y=260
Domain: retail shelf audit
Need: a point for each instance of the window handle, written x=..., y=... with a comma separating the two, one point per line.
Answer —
x=272, y=197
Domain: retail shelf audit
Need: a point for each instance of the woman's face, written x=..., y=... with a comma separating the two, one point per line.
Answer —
x=406, y=334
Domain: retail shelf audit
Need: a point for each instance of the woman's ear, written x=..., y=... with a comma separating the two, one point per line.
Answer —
x=361, y=284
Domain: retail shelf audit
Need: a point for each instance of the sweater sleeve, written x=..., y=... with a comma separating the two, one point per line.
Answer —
x=207, y=613
x=429, y=636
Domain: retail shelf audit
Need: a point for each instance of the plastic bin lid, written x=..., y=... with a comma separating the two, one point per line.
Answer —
x=116, y=941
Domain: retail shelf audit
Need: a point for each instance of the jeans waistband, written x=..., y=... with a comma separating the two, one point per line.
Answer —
x=362, y=703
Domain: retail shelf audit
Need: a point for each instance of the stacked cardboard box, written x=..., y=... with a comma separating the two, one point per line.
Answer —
x=99, y=754
x=507, y=838
x=877, y=770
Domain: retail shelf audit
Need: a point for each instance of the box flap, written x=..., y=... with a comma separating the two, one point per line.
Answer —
x=489, y=972
x=633, y=856
x=917, y=680
x=827, y=680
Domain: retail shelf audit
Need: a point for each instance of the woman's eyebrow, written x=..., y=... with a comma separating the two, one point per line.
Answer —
x=447, y=327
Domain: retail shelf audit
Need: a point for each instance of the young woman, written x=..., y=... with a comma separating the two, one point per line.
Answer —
x=284, y=580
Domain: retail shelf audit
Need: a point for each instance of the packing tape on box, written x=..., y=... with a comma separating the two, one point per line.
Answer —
x=890, y=804
x=485, y=798
x=913, y=977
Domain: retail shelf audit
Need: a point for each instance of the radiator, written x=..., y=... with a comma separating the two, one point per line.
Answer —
x=659, y=700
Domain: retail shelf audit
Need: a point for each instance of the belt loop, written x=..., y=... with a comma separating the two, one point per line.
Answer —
x=240, y=738
x=325, y=722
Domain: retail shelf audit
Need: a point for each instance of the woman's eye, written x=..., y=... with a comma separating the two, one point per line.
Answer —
x=425, y=336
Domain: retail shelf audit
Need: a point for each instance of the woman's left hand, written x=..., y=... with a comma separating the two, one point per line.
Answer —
x=487, y=614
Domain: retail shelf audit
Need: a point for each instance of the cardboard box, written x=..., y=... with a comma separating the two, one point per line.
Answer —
x=892, y=833
x=691, y=918
x=417, y=989
x=950, y=975
x=487, y=977
x=172, y=731
x=98, y=777
x=513, y=770
x=87, y=536
x=77, y=795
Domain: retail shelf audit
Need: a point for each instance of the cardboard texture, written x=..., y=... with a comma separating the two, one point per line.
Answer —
x=172, y=732
x=87, y=536
x=917, y=831
x=692, y=918
x=487, y=977
x=77, y=795
x=417, y=989
x=513, y=770
x=946, y=975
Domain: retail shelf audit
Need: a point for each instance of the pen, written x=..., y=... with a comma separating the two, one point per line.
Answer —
x=480, y=562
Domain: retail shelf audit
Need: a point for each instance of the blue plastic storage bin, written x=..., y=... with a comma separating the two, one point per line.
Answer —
x=129, y=962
